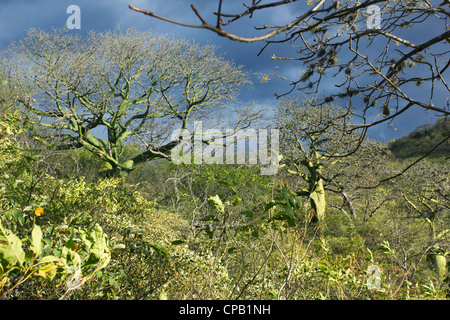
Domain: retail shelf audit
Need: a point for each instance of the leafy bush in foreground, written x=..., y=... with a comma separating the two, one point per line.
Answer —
x=42, y=240
x=101, y=240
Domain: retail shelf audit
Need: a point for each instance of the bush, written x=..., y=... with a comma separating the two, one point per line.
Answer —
x=43, y=242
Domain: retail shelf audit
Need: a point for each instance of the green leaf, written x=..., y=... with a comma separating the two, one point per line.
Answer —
x=70, y=244
x=47, y=240
x=84, y=238
x=270, y=205
x=99, y=249
x=217, y=203
x=49, y=259
x=16, y=183
x=234, y=190
x=248, y=213
x=36, y=240
x=224, y=183
x=111, y=281
x=16, y=213
x=47, y=272
x=68, y=255
x=209, y=231
x=57, y=252
x=177, y=242
x=285, y=216
x=369, y=257
x=231, y=250
x=159, y=249
x=11, y=249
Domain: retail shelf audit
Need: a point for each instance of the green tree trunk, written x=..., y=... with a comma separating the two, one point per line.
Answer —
x=317, y=192
x=439, y=262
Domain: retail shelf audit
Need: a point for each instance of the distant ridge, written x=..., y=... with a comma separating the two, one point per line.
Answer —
x=422, y=140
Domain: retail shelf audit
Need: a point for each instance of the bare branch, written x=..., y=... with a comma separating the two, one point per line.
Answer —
x=223, y=33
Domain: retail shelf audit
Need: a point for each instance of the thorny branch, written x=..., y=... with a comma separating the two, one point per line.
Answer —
x=221, y=32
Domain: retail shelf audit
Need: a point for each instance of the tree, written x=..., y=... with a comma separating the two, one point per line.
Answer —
x=5, y=94
x=363, y=45
x=310, y=139
x=111, y=88
x=426, y=191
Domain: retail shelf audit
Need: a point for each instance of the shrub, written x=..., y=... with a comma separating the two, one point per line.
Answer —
x=43, y=243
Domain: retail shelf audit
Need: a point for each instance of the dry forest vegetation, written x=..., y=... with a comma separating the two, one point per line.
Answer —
x=93, y=207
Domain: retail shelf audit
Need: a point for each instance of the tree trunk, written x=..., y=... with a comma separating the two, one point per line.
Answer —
x=440, y=264
x=318, y=201
x=317, y=191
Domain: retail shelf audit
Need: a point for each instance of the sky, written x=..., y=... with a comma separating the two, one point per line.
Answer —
x=17, y=16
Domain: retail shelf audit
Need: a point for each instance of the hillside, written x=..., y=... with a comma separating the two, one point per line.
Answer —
x=422, y=140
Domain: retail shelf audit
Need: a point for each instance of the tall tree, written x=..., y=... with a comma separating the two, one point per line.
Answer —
x=107, y=89
x=311, y=138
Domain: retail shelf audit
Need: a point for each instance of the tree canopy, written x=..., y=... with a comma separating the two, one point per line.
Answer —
x=107, y=89
x=314, y=138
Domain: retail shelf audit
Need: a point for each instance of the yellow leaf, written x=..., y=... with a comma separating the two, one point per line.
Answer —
x=264, y=78
x=39, y=211
x=47, y=272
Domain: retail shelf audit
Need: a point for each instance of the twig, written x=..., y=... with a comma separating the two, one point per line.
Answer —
x=223, y=33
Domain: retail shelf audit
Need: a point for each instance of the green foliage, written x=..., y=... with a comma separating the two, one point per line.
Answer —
x=11, y=250
x=290, y=207
x=34, y=244
x=422, y=140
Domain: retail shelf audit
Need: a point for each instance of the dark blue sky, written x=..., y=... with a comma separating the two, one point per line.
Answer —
x=16, y=16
